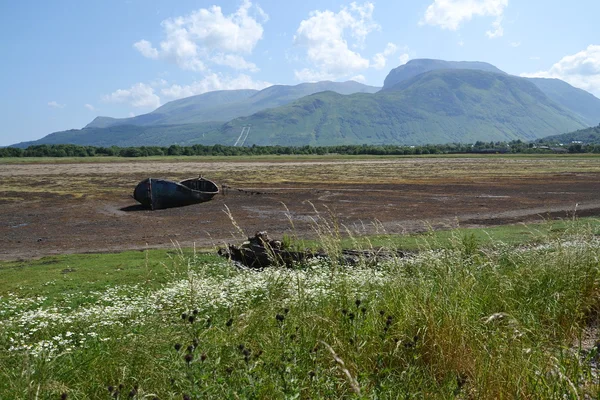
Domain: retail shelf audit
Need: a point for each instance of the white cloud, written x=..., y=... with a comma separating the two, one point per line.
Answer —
x=404, y=58
x=139, y=95
x=54, y=104
x=145, y=47
x=207, y=35
x=515, y=44
x=234, y=61
x=450, y=14
x=89, y=107
x=325, y=36
x=581, y=70
x=498, y=29
x=380, y=59
x=212, y=82
x=131, y=114
x=359, y=78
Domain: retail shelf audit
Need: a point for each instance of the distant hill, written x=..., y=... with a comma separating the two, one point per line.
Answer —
x=131, y=135
x=439, y=106
x=225, y=105
x=588, y=135
x=583, y=104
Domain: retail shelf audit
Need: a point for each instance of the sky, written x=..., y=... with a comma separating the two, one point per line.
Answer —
x=67, y=61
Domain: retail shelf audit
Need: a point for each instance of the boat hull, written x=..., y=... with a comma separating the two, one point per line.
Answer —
x=162, y=193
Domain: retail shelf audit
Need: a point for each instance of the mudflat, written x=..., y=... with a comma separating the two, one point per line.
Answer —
x=55, y=208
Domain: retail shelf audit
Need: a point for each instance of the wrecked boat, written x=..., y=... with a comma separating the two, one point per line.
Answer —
x=161, y=193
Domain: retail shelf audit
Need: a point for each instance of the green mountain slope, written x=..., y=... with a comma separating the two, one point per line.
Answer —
x=582, y=103
x=588, y=135
x=435, y=107
x=225, y=105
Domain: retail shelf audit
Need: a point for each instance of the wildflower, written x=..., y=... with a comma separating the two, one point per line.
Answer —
x=229, y=322
x=191, y=319
x=363, y=310
x=344, y=311
x=177, y=346
x=186, y=397
x=190, y=348
x=351, y=316
x=203, y=357
x=280, y=317
x=357, y=302
x=63, y=396
x=195, y=312
x=111, y=388
x=195, y=342
x=381, y=312
x=184, y=316
x=286, y=310
x=188, y=358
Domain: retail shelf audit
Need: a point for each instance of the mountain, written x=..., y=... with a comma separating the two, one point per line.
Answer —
x=588, y=135
x=418, y=66
x=439, y=106
x=585, y=105
x=445, y=103
x=197, y=108
x=582, y=103
x=225, y=105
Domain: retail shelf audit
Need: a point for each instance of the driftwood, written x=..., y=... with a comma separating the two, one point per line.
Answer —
x=260, y=251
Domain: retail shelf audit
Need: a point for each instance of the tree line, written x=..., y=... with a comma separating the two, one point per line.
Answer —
x=72, y=150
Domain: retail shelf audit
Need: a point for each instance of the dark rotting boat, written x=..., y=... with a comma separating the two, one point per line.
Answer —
x=161, y=193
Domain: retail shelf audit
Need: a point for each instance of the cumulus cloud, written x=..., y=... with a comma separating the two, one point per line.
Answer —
x=380, y=59
x=55, y=104
x=450, y=14
x=581, y=70
x=359, y=78
x=139, y=95
x=325, y=36
x=403, y=58
x=212, y=82
x=207, y=35
x=498, y=30
x=89, y=107
x=234, y=61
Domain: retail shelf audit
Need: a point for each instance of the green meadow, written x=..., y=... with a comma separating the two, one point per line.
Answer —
x=507, y=312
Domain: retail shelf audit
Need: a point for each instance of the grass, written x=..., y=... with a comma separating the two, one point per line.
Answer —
x=466, y=317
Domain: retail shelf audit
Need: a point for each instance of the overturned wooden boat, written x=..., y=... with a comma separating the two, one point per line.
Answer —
x=161, y=193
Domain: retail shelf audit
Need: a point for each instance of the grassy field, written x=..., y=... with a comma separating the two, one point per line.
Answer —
x=507, y=312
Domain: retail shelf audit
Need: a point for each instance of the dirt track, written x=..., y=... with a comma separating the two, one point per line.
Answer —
x=73, y=208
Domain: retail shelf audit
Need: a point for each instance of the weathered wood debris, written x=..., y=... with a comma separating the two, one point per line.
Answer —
x=260, y=251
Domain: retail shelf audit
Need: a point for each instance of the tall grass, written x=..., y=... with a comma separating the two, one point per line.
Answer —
x=467, y=321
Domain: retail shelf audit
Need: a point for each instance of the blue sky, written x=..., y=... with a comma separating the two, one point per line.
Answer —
x=66, y=62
